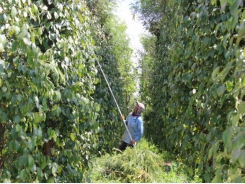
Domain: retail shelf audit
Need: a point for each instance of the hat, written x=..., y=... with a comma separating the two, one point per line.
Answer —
x=141, y=107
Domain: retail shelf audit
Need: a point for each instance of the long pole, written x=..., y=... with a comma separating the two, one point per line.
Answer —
x=114, y=98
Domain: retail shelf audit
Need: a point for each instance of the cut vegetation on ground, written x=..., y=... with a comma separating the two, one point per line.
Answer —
x=142, y=164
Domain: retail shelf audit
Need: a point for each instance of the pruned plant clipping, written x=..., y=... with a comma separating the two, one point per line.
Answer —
x=142, y=164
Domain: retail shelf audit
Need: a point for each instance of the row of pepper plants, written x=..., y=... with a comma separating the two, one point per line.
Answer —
x=55, y=108
x=195, y=62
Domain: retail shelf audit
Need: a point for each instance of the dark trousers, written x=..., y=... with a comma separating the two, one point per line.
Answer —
x=123, y=145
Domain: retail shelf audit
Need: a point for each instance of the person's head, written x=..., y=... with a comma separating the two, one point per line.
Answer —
x=138, y=108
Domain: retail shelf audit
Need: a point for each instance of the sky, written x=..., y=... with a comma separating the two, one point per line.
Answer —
x=135, y=27
x=134, y=31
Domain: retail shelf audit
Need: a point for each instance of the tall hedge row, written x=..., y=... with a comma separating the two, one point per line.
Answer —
x=198, y=97
x=114, y=54
x=49, y=111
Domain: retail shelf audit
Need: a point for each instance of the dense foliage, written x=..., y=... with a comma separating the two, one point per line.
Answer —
x=52, y=96
x=56, y=110
x=115, y=53
x=196, y=89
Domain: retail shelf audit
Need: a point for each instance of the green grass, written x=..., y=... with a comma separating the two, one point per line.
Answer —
x=142, y=164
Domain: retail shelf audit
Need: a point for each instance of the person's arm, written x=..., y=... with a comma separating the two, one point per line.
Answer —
x=140, y=130
x=125, y=121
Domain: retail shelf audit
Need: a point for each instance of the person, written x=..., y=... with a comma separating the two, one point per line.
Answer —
x=134, y=122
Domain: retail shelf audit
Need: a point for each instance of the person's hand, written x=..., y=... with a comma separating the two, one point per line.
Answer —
x=122, y=117
x=132, y=142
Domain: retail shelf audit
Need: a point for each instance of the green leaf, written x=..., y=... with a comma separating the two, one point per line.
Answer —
x=27, y=41
x=221, y=90
x=206, y=41
x=50, y=132
x=2, y=66
x=1, y=47
x=235, y=6
x=22, y=34
x=238, y=178
x=14, y=48
x=213, y=2
x=39, y=173
x=97, y=107
x=56, y=110
x=214, y=73
x=23, y=160
x=241, y=35
x=14, y=132
x=229, y=86
x=235, y=120
x=243, y=81
x=37, y=117
x=235, y=154
x=222, y=5
x=16, y=119
x=54, y=168
x=37, y=132
x=34, y=9
x=227, y=135
x=190, y=171
x=238, y=141
x=186, y=77
x=25, y=109
x=207, y=177
x=73, y=136
x=44, y=163
x=30, y=161
x=3, y=116
x=18, y=128
x=201, y=89
x=19, y=97
x=31, y=144
x=241, y=158
x=13, y=12
x=241, y=107
x=44, y=103
x=57, y=96
x=216, y=179
x=226, y=70
x=23, y=174
x=14, y=145
x=3, y=39
x=210, y=153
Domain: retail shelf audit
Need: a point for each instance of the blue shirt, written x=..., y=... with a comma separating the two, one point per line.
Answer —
x=135, y=127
